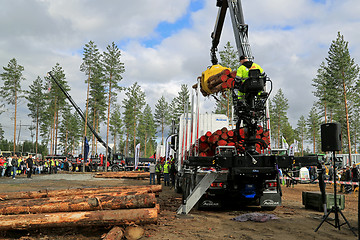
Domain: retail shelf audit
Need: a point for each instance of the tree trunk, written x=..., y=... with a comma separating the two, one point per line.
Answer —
x=116, y=233
x=124, y=190
x=74, y=219
x=86, y=116
x=56, y=130
x=347, y=120
x=77, y=203
x=93, y=136
x=15, y=120
x=145, y=143
x=123, y=174
x=108, y=125
x=37, y=132
x=134, y=130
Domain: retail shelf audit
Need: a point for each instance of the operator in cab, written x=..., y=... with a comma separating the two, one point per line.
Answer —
x=243, y=72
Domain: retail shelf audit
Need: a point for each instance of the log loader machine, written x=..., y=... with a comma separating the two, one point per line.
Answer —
x=247, y=176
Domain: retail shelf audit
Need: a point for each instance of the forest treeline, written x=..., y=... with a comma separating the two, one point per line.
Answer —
x=57, y=129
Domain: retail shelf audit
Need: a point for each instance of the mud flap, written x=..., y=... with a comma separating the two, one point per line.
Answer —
x=270, y=200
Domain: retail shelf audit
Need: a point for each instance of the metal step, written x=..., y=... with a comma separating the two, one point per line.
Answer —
x=198, y=191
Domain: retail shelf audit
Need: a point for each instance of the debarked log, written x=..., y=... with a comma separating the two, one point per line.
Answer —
x=77, y=203
x=74, y=219
x=128, y=190
x=122, y=175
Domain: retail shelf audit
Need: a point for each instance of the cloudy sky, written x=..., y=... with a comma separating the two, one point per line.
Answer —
x=165, y=43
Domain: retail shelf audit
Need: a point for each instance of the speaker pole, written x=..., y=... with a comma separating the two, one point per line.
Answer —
x=333, y=129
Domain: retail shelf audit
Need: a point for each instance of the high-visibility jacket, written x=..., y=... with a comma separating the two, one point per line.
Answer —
x=243, y=72
x=158, y=168
x=166, y=167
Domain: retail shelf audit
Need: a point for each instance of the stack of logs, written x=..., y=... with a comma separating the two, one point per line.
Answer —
x=123, y=174
x=218, y=82
x=79, y=207
x=225, y=137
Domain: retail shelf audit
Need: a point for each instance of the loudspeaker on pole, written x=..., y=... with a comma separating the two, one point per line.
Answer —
x=330, y=137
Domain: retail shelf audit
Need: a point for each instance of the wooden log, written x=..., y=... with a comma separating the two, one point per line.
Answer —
x=79, y=191
x=134, y=232
x=203, y=147
x=122, y=174
x=76, y=203
x=75, y=219
x=232, y=74
x=224, y=136
x=221, y=143
x=116, y=233
x=224, y=130
x=203, y=138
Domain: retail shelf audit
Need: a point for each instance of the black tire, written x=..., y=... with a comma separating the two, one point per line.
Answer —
x=177, y=185
x=115, y=168
x=268, y=208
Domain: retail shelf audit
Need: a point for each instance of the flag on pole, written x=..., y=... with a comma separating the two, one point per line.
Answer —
x=284, y=143
x=296, y=146
x=292, y=150
x=137, y=155
x=167, y=148
x=86, y=150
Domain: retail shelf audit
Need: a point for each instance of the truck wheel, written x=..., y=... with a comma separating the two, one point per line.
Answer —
x=268, y=208
x=115, y=168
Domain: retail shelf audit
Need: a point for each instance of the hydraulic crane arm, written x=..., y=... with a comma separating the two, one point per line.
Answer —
x=239, y=27
x=80, y=113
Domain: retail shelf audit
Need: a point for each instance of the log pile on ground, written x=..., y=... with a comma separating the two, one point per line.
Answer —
x=218, y=82
x=123, y=174
x=224, y=137
x=79, y=207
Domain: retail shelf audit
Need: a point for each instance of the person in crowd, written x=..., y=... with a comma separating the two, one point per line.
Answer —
x=158, y=172
x=354, y=174
x=172, y=173
x=2, y=165
x=14, y=165
x=167, y=173
x=152, y=173
x=29, y=166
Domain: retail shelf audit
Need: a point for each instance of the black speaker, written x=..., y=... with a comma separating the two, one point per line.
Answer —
x=330, y=137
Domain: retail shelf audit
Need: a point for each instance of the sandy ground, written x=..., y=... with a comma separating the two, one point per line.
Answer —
x=294, y=221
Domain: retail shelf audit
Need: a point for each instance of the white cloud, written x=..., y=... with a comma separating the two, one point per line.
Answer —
x=40, y=33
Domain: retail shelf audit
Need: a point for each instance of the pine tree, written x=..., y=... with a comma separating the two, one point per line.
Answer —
x=116, y=125
x=36, y=104
x=91, y=66
x=113, y=70
x=278, y=118
x=178, y=104
x=343, y=73
x=301, y=132
x=133, y=105
x=228, y=58
x=56, y=104
x=70, y=131
x=147, y=131
x=313, y=128
x=162, y=117
x=322, y=89
x=11, y=90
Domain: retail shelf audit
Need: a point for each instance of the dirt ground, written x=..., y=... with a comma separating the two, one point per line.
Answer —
x=294, y=221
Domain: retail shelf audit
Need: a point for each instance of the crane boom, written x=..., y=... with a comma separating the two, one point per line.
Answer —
x=239, y=27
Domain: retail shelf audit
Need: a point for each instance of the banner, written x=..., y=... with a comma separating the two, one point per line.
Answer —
x=137, y=155
x=285, y=145
x=167, y=147
x=292, y=150
x=86, y=150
